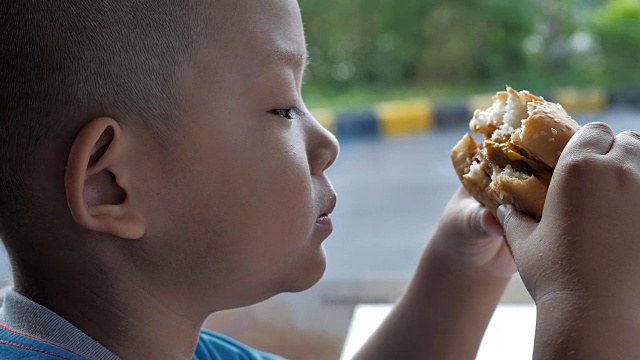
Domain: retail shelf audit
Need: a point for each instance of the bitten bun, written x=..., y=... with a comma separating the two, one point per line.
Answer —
x=524, y=136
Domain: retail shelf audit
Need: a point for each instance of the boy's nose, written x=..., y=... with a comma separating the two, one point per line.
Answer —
x=323, y=148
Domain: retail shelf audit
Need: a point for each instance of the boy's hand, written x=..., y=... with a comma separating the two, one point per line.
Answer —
x=460, y=279
x=588, y=239
x=472, y=237
x=581, y=261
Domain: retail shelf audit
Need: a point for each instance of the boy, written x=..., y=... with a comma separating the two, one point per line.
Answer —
x=158, y=165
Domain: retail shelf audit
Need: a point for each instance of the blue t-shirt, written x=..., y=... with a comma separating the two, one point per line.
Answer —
x=215, y=346
x=16, y=345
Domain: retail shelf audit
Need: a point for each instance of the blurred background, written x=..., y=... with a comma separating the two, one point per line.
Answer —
x=391, y=190
x=369, y=50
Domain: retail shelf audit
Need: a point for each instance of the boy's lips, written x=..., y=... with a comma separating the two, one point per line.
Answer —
x=324, y=221
x=330, y=207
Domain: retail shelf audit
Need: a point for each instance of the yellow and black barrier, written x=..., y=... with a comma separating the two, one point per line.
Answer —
x=420, y=115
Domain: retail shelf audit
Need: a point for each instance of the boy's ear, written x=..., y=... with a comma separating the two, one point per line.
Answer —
x=97, y=182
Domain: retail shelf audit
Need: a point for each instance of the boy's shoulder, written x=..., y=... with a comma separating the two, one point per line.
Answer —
x=216, y=346
x=17, y=345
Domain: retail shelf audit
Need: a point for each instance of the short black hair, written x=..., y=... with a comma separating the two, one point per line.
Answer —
x=65, y=62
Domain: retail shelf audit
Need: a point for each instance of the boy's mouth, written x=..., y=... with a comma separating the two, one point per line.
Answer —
x=331, y=206
x=324, y=219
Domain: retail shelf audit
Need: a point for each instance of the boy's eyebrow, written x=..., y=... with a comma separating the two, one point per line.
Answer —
x=291, y=57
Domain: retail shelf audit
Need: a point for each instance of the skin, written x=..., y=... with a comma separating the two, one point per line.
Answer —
x=147, y=239
x=461, y=276
x=572, y=262
x=229, y=213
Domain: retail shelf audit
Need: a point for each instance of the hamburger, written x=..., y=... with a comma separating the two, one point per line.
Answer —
x=523, y=136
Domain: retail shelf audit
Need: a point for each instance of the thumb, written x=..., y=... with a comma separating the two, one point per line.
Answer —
x=517, y=226
x=483, y=223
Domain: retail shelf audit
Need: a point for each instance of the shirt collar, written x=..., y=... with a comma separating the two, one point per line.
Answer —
x=25, y=315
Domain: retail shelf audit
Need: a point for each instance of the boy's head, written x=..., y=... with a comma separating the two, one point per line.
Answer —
x=162, y=144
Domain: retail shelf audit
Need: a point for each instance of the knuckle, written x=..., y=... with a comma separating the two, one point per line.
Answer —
x=598, y=127
x=592, y=138
x=629, y=135
x=508, y=217
x=509, y=225
x=628, y=144
x=472, y=222
x=626, y=176
x=578, y=166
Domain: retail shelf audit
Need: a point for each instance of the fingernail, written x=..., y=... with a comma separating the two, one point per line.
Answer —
x=479, y=221
x=502, y=213
x=490, y=225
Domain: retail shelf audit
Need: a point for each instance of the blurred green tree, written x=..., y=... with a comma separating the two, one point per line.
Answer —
x=364, y=41
x=617, y=27
x=445, y=41
x=454, y=43
x=470, y=41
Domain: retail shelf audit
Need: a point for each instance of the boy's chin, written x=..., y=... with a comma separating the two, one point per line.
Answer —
x=306, y=278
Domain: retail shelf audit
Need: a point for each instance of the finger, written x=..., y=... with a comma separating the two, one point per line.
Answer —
x=483, y=223
x=462, y=192
x=481, y=220
x=490, y=225
x=593, y=138
x=517, y=226
x=626, y=149
x=476, y=220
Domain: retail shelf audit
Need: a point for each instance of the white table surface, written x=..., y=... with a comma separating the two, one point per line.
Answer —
x=509, y=336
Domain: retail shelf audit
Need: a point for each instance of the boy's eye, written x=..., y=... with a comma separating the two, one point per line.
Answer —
x=289, y=113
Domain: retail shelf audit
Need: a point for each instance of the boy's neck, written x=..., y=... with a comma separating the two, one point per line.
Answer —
x=125, y=318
